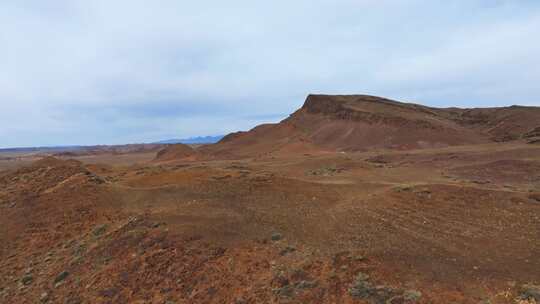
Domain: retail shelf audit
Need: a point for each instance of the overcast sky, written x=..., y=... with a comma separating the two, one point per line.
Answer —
x=106, y=72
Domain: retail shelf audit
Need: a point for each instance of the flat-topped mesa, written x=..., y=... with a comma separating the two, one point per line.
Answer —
x=363, y=122
x=318, y=103
x=370, y=110
x=331, y=104
x=321, y=104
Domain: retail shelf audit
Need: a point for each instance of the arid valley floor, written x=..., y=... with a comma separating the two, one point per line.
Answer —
x=438, y=223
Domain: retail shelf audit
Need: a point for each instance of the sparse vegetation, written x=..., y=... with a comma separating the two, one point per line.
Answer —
x=276, y=236
x=530, y=292
x=99, y=230
x=241, y=223
x=362, y=288
x=325, y=171
x=61, y=276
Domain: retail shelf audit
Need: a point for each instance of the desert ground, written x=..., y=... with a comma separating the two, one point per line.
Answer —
x=452, y=223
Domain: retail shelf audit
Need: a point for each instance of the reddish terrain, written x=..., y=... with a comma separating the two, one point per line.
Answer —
x=362, y=123
x=441, y=207
x=176, y=152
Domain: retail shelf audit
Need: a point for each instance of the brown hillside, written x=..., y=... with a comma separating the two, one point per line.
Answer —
x=174, y=152
x=445, y=225
x=361, y=122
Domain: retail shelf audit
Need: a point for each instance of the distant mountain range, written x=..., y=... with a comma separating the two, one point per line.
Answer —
x=193, y=140
x=58, y=149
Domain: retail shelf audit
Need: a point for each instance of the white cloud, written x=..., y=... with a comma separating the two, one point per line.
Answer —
x=65, y=63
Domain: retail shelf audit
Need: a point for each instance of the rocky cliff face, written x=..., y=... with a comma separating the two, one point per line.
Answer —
x=371, y=110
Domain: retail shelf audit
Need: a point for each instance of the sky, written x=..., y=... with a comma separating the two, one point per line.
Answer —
x=78, y=72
